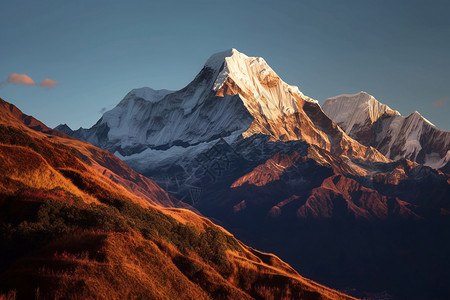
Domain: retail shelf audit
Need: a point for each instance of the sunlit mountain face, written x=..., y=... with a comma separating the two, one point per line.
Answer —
x=352, y=194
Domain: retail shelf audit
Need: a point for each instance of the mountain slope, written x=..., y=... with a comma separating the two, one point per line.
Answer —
x=374, y=124
x=70, y=231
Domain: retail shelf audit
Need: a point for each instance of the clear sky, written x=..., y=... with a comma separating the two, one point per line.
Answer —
x=84, y=56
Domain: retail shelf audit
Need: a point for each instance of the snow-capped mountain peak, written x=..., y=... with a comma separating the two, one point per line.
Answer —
x=245, y=71
x=374, y=124
x=236, y=64
x=353, y=111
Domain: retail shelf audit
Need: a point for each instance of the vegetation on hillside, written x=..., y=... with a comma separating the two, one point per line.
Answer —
x=55, y=244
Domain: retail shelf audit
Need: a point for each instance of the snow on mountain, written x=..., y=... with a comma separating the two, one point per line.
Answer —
x=263, y=93
x=353, y=111
x=374, y=124
x=234, y=96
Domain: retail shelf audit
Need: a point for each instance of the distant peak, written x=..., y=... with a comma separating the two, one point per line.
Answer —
x=362, y=99
x=64, y=128
x=355, y=110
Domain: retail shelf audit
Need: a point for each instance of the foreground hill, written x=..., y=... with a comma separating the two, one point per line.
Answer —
x=70, y=227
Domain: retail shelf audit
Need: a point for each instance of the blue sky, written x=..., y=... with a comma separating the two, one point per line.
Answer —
x=97, y=51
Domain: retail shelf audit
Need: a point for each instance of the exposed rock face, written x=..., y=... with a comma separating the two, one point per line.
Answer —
x=374, y=124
